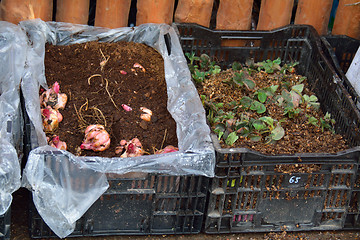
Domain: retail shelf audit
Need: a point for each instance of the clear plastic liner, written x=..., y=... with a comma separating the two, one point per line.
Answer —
x=50, y=181
x=12, y=60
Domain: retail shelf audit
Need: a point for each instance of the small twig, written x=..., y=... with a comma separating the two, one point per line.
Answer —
x=352, y=4
x=163, y=139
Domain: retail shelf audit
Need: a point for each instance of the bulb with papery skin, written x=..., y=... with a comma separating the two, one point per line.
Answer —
x=51, y=119
x=132, y=148
x=146, y=116
x=167, y=149
x=56, y=143
x=96, y=138
x=53, y=98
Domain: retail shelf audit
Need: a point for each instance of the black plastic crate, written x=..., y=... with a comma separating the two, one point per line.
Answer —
x=5, y=222
x=341, y=50
x=252, y=192
x=134, y=204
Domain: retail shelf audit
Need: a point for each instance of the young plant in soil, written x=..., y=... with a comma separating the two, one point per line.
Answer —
x=263, y=106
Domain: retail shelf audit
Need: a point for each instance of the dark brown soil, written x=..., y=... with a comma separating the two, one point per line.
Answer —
x=72, y=66
x=300, y=136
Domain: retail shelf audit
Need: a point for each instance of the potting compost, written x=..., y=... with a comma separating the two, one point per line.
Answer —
x=87, y=84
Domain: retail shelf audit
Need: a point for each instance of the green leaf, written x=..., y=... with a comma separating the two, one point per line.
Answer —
x=262, y=96
x=246, y=102
x=258, y=125
x=312, y=120
x=313, y=98
x=277, y=61
x=236, y=66
x=315, y=105
x=231, y=104
x=286, y=95
x=298, y=88
x=219, y=105
x=215, y=70
x=255, y=138
x=273, y=88
x=220, y=134
x=249, y=83
x=268, y=120
x=258, y=107
x=238, y=78
x=278, y=132
x=231, y=139
x=198, y=76
x=306, y=98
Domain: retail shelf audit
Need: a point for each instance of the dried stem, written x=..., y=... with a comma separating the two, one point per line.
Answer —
x=101, y=114
x=106, y=88
x=97, y=117
x=104, y=61
x=162, y=143
x=95, y=75
x=112, y=100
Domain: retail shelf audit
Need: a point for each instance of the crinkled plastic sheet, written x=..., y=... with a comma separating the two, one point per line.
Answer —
x=12, y=61
x=50, y=173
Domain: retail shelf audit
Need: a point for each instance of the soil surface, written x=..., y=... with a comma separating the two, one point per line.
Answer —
x=300, y=136
x=98, y=78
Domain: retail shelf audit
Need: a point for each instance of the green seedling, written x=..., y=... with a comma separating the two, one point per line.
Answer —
x=258, y=107
x=269, y=66
x=289, y=67
x=249, y=103
x=276, y=132
x=292, y=112
x=236, y=66
x=327, y=123
x=192, y=58
x=239, y=79
x=204, y=61
x=312, y=120
x=198, y=76
x=298, y=88
x=291, y=100
x=285, y=99
x=263, y=94
x=220, y=130
x=311, y=101
x=231, y=138
x=201, y=67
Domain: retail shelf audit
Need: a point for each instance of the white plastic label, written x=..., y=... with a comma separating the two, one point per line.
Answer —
x=294, y=180
x=353, y=73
